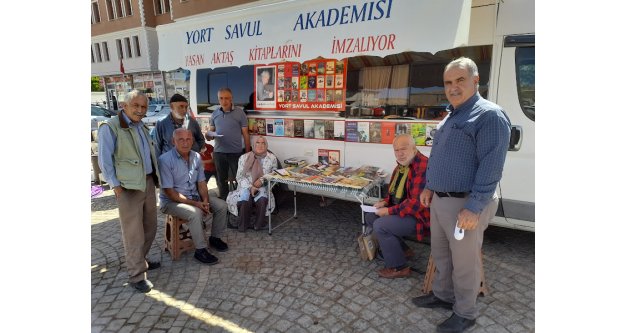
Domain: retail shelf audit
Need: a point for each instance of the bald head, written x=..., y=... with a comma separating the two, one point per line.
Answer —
x=405, y=148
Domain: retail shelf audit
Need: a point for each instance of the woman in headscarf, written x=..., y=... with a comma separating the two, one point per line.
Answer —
x=251, y=192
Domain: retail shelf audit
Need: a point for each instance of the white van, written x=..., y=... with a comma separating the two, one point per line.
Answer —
x=400, y=87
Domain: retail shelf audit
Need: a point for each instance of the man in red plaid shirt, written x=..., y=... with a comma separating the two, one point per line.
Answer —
x=401, y=212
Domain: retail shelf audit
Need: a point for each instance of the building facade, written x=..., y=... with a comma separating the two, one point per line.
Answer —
x=124, y=44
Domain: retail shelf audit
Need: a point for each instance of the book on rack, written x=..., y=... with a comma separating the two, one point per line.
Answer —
x=309, y=128
x=251, y=126
x=430, y=130
x=298, y=128
x=319, y=129
x=339, y=130
x=418, y=133
x=388, y=132
x=322, y=156
x=375, y=132
x=260, y=125
x=329, y=130
x=363, y=131
x=289, y=127
x=278, y=127
x=351, y=129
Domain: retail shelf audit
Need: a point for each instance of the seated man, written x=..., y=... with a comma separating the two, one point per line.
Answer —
x=184, y=194
x=401, y=211
x=251, y=192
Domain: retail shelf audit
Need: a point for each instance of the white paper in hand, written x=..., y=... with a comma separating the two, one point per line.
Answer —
x=214, y=134
x=368, y=209
x=458, y=233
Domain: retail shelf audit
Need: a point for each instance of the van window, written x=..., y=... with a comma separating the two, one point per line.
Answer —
x=525, y=79
x=407, y=85
x=208, y=81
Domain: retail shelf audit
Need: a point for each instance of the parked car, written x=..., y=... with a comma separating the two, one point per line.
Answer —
x=155, y=113
x=99, y=114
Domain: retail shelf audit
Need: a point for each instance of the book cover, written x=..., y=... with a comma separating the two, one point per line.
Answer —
x=375, y=132
x=334, y=157
x=280, y=70
x=329, y=96
x=351, y=129
x=330, y=67
x=280, y=95
x=278, y=127
x=303, y=95
x=251, y=126
x=304, y=69
x=321, y=68
x=322, y=156
x=312, y=95
x=295, y=70
x=289, y=128
x=312, y=68
x=388, y=132
x=321, y=79
x=329, y=130
x=418, y=133
x=329, y=81
x=319, y=129
x=338, y=96
x=269, y=124
x=260, y=125
x=430, y=130
x=312, y=82
x=303, y=82
x=338, y=81
x=288, y=68
x=295, y=82
x=363, y=131
x=294, y=96
x=339, y=130
x=402, y=128
x=309, y=128
x=339, y=67
x=281, y=83
x=298, y=128
x=320, y=95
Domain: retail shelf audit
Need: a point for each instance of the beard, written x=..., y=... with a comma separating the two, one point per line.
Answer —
x=177, y=116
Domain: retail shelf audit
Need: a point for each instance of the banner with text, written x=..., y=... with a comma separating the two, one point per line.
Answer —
x=302, y=30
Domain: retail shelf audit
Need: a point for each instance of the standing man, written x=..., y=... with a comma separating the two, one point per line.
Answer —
x=184, y=194
x=464, y=168
x=400, y=213
x=179, y=117
x=230, y=123
x=128, y=162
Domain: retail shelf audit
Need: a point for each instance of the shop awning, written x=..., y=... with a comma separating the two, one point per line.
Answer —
x=304, y=30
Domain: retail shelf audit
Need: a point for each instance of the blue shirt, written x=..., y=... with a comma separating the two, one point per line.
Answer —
x=229, y=124
x=164, y=132
x=107, y=142
x=180, y=175
x=469, y=151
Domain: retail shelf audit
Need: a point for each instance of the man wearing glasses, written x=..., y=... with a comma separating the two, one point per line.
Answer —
x=129, y=164
x=179, y=117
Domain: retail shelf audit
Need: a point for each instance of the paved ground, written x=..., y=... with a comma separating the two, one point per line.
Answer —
x=306, y=277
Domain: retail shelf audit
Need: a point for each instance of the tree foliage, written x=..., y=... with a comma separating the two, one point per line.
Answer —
x=95, y=84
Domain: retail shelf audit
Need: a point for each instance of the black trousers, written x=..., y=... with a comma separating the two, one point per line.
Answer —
x=226, y=167
x=245, y=213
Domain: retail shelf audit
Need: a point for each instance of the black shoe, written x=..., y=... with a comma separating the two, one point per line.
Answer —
x=205, y=257
x=431, y=301
x=218, y=244
x=143, y=286
x=455, y=324
x=153, y=265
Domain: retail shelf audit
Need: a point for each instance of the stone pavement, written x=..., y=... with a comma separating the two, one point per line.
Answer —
x=306, y=277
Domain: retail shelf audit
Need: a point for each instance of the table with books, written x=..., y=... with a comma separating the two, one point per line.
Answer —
x=360, y=184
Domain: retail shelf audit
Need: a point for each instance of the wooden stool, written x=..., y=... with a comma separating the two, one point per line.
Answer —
x=177, y=242
x=429, y=277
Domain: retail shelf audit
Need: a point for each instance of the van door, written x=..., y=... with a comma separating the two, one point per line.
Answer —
x=515, y=94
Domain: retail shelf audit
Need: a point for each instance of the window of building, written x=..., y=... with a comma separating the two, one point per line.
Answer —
x=120, y=51
x=98, y=52
x=135, y=39
x=95, y=12
x=127, y=8
x=161, y=6
x=92, y=57
x=117, y=4
x=105, y=47
x=128, y=48
x=109, y=10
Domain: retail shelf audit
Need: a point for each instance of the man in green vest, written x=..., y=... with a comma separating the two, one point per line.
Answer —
x=129, y=164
